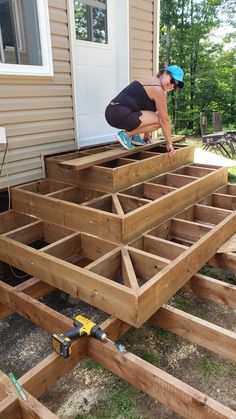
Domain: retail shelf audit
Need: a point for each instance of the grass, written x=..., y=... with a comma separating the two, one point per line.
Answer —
x=209, y=366
x=182, y=304
x=148, y=355
x=120, y=403
x=91, y=365
x=218, y=273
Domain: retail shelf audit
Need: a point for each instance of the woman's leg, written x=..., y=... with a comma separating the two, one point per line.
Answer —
x=149, y=122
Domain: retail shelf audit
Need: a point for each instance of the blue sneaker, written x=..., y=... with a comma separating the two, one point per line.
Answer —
x=137, y=140
x=125, y=140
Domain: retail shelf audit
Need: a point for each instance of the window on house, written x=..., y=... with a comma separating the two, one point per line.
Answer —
x=91, y=20
x=25, y=37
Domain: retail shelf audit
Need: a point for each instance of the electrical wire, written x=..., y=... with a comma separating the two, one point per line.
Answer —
x=5, y=160
x=4, y=156
x=8, y=182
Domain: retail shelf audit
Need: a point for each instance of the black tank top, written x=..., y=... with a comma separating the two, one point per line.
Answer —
x=134, y=96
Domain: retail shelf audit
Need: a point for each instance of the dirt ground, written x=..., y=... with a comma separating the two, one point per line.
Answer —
x=89, y=391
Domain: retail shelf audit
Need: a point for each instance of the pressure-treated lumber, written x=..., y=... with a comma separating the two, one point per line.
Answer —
x=180, y=318
x=120, y=173
x=114, y=226
x=15, y=405
x=45, y=374
x=10, y=408
x=212, y=289
x=33, y=287
x=164, y=284
x=228, y=246
x=170, y=391
x=97, y=287
x=108, y=155
x=168, y=317
x=212, y=337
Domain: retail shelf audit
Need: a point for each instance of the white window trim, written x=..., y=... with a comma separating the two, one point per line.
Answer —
x=46, y=69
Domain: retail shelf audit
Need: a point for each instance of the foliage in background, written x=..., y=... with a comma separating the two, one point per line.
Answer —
x=210, y=68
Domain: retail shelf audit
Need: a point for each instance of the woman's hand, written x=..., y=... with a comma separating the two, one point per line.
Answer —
x=170, y=149
x=147, y=137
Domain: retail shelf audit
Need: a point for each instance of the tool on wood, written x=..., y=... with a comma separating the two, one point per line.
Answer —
x=61, y=343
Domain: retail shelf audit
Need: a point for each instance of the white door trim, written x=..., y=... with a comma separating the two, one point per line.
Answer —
x=122, y=61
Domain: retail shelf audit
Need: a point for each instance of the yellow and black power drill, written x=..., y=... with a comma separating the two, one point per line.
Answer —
x=61, y=343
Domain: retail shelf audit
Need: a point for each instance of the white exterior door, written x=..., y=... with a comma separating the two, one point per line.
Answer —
x=100, y=52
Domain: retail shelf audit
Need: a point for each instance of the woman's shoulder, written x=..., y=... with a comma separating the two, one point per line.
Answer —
x=150, y=81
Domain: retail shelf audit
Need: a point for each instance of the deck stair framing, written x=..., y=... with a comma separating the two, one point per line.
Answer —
x=120, y=216
x=191, y=214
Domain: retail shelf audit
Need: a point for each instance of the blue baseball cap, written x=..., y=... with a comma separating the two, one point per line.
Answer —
x=177, y=74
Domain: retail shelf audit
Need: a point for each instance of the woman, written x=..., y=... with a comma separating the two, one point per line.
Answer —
x=141, y=108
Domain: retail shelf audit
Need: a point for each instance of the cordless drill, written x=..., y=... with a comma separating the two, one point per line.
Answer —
x=61, y=343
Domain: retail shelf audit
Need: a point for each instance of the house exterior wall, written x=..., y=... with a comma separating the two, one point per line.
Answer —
x=144, y=18
x=37, y=112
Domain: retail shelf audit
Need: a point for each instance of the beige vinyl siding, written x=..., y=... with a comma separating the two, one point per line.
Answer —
x=37, y=112
x=143, y=35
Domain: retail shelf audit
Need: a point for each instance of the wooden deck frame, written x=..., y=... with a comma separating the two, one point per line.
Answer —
x=121, y=173
x=182, y=398
x=95, y=281
x=149, y=267
x=122, y=216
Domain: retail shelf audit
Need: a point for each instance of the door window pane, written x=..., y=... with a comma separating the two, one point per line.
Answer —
x=19, y=33
x=91, y=20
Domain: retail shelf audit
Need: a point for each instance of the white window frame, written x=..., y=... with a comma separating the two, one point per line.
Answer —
x=46, y=69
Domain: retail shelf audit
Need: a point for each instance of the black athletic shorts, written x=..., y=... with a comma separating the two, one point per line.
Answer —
x=118, y=116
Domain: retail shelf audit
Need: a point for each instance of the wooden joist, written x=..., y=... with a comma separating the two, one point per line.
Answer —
x=153, y=381
x=13, y=406
x=173, y=393
x=108, y=155
x=228, y=246
x=212, y=337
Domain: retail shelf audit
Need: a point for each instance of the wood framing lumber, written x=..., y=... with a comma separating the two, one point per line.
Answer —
x=164, y=284
x=128, y=273
x=157, y=211
x=201, y=285
x=228, y=246
x=168, y=390
x=225, y=261
x=208, y=335
x=33, y=310
x=212, y=289
x=10, y=408
x=224, y=201
x=33, y=287
x=79, y=217
x=108, y=155
x=31, y=408
x=45, y=374
x=112, y=176
x=99, y=291
x=117, y=208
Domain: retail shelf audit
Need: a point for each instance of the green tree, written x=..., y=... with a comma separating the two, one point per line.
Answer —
x=184, y=40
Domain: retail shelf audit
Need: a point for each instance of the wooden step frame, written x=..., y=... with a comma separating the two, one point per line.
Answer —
x=136, y=166
x=122, y=216
x=98, y=282
x=182, y=398
x=199, y=224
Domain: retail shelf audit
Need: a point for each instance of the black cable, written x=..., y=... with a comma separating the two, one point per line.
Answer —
x=4, y=156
